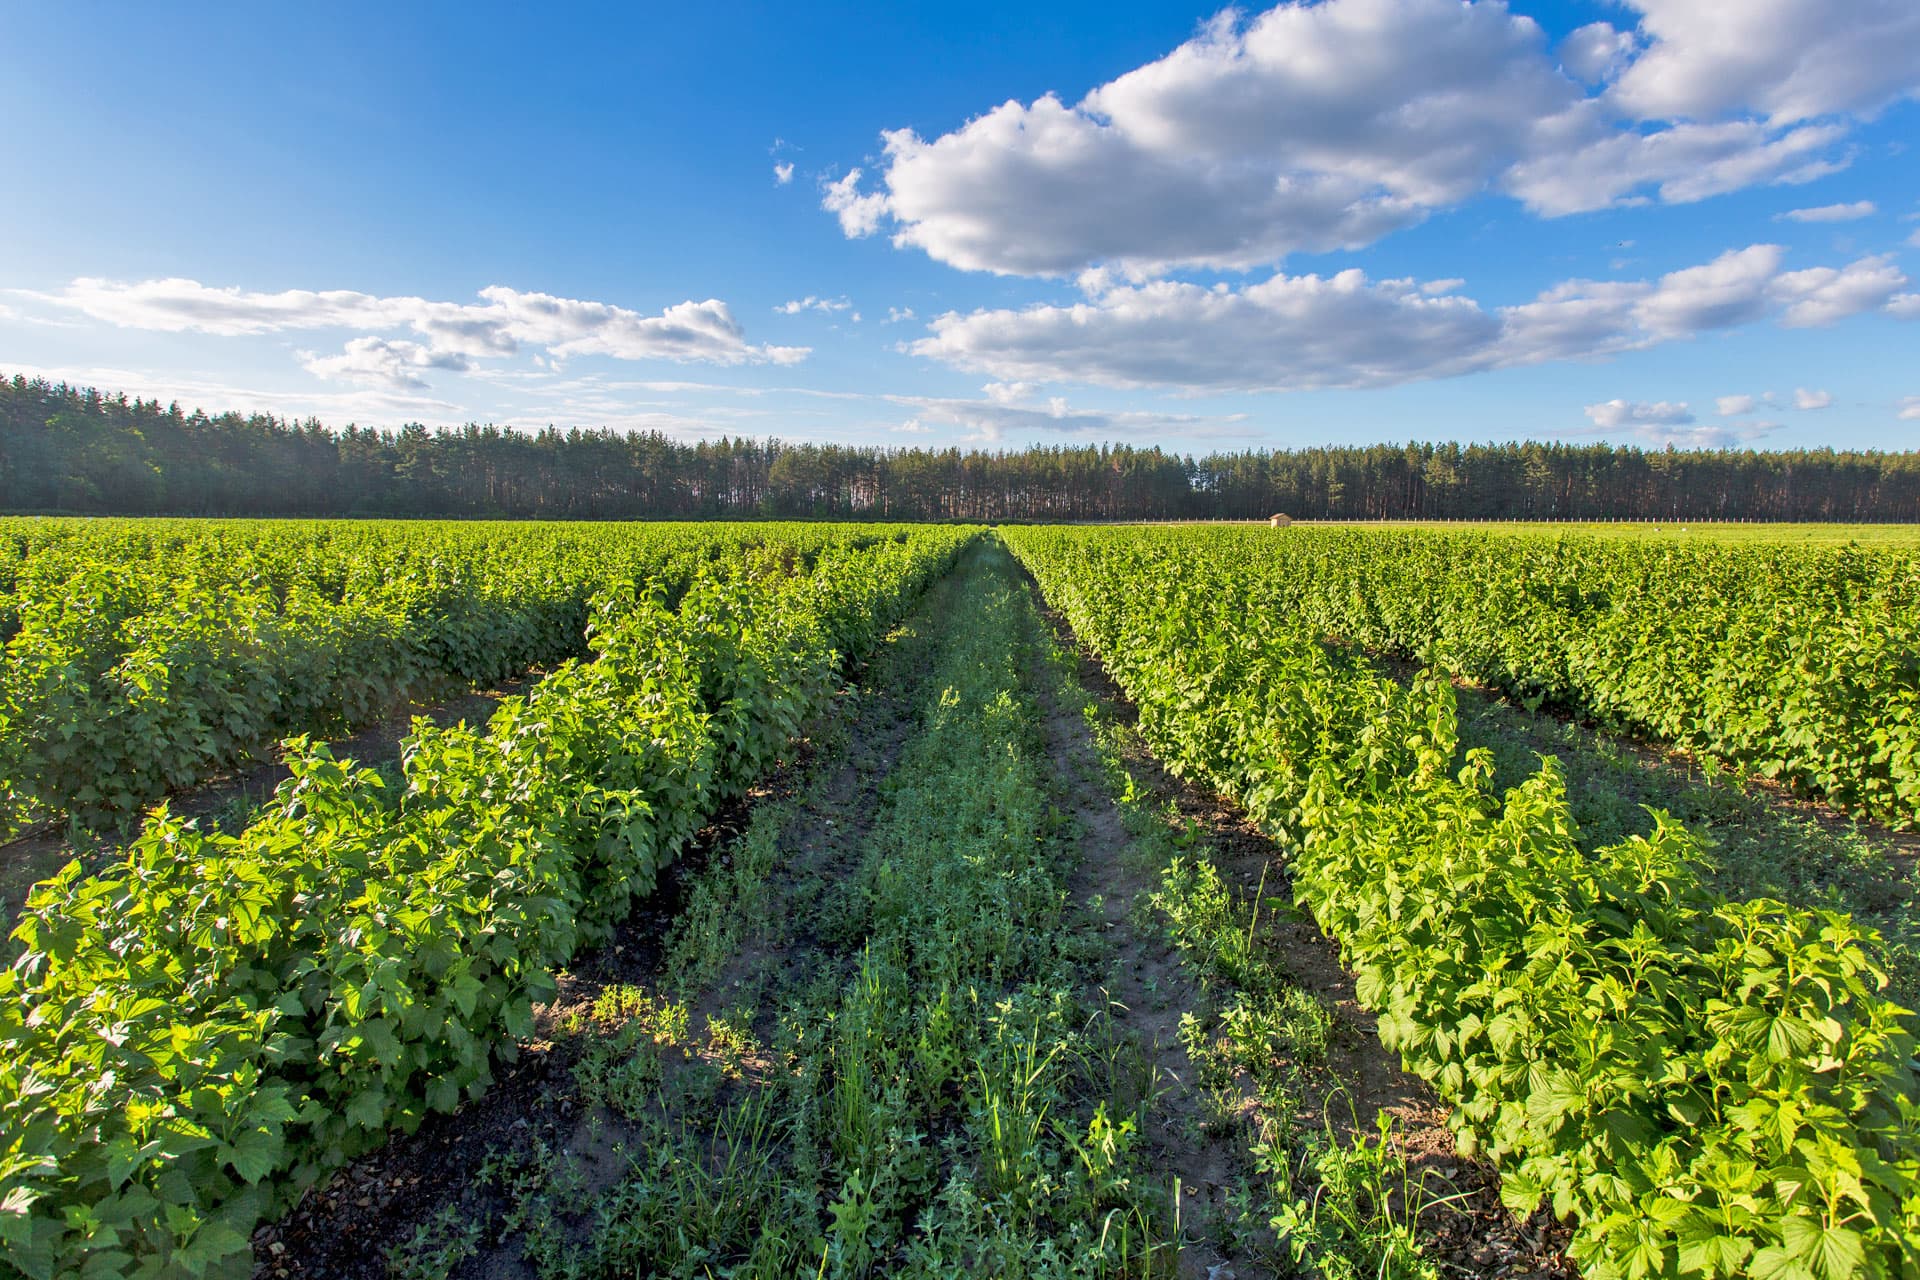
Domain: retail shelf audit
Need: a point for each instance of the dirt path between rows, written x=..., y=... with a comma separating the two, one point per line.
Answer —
x=1149, y=988
x=1476, y=1236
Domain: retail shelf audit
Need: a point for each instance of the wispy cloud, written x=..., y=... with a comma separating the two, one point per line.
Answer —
x=826, y=306
x=993, y=419
x=450, y=334
x=218, y=394
x=1665, y=423
x=1831, y=212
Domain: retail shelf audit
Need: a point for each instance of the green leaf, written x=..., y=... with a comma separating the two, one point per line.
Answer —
x=1775, y=1263
x=1520, y=1194
x=254, y=1154
x=214, y=1243
x=1833, y=1253
x=368, y=1110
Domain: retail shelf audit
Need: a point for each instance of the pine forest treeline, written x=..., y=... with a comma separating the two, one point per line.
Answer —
x=65, y=448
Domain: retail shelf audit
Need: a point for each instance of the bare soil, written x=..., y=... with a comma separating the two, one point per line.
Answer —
x=1149, y=988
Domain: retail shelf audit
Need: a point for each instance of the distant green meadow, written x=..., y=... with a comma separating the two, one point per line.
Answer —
x=1812, y=535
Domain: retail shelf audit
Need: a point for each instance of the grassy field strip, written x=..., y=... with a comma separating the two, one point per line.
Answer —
x=1735, y=533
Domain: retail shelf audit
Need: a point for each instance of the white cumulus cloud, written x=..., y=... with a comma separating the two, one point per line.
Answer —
x=1735, y=406
x=1314, y=127
x=378, y=362
x=1624, y=413
x=1730, y=290
x=1822, y=295
x=782, y=174
x=1346, y=330
x=1805, y=399
x=1308, y=127
x=1910, y=409
x=1784, y=60
x=1682, y=164
x=1597, y=51
x=859, y=213
x=1285, y=333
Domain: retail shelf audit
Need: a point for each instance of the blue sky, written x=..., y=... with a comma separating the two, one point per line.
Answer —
x=1354, y=221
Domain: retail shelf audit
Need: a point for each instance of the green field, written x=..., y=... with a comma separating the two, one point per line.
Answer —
x=1890, y=536
x=868, y=900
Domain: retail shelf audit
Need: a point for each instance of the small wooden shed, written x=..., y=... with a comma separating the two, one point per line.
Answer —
x=1278, y=521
